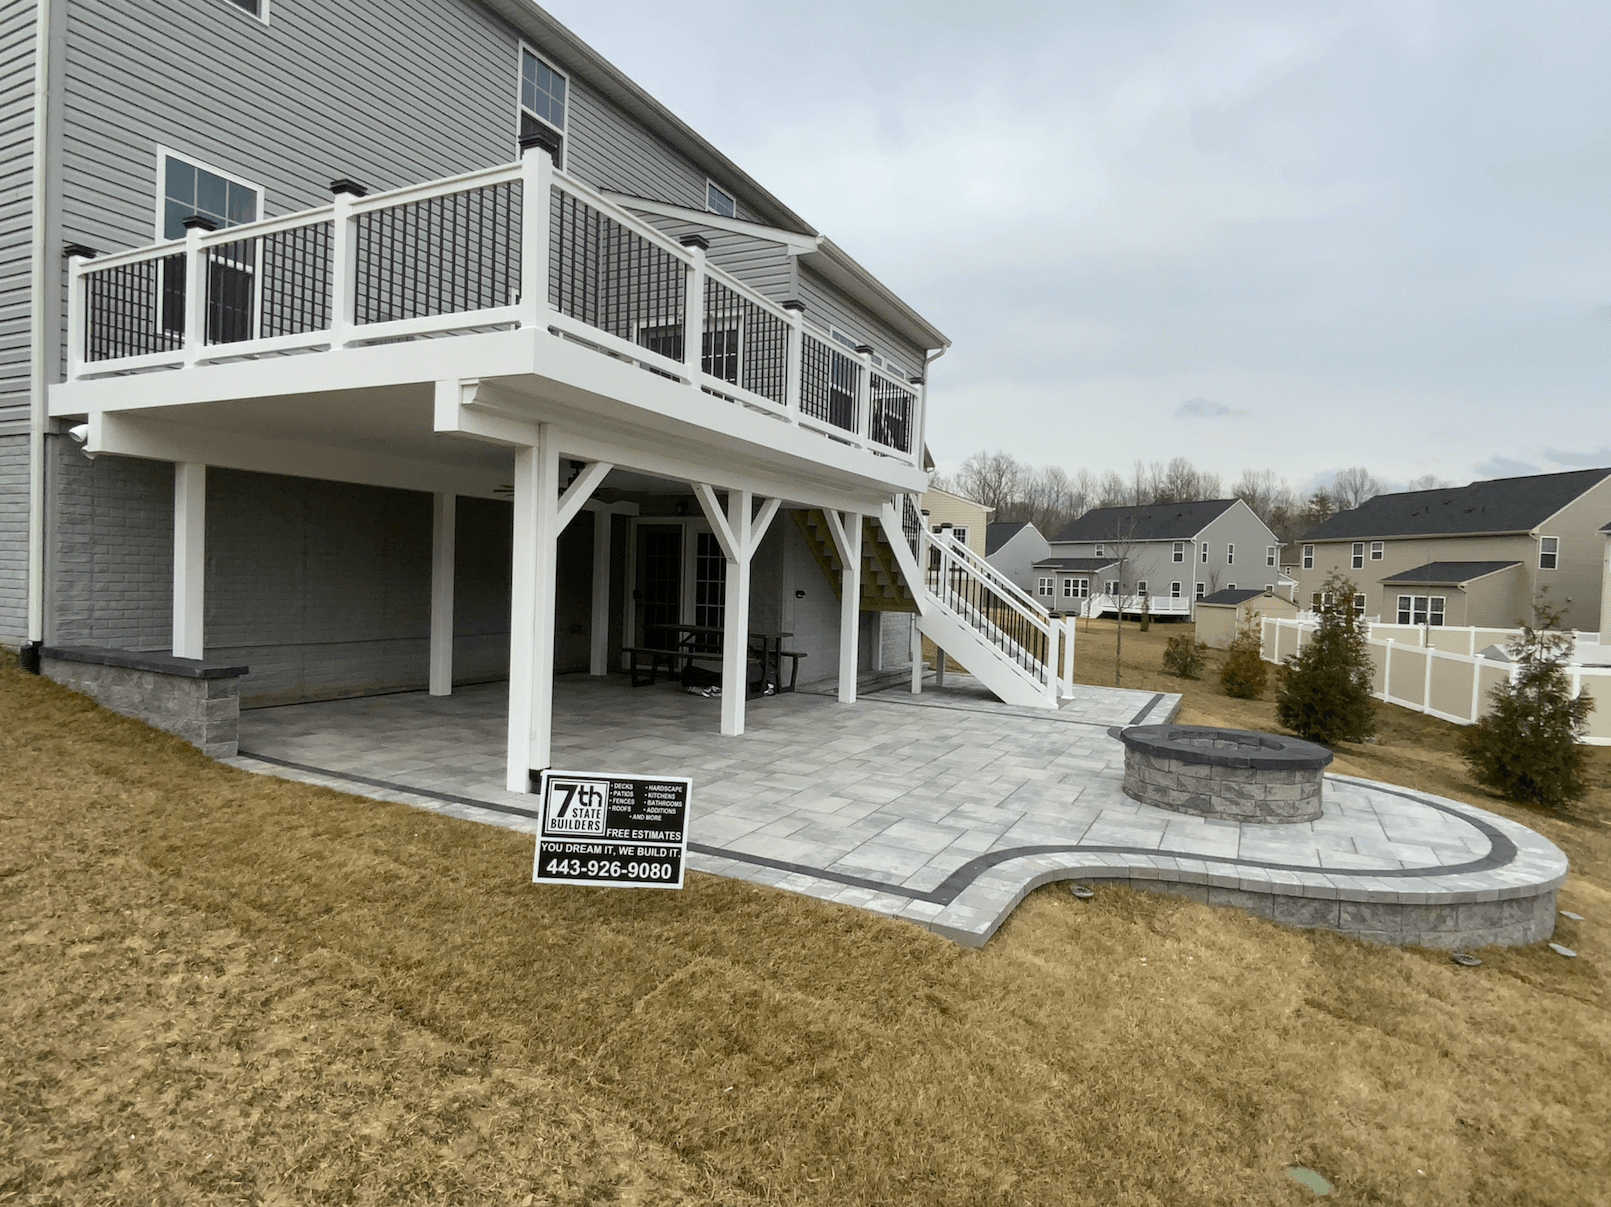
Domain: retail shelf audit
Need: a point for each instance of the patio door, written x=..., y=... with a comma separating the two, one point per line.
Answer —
x=658, y=593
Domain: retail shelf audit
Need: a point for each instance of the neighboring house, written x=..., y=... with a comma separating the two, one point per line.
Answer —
x=1220, y=614
x=329, y=440
x=1173, y=554
x=1014, y=548
x=1066, y=583
x=1470, y=555
x=967, y=520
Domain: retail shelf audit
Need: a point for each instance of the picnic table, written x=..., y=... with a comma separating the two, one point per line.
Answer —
x=681, y=644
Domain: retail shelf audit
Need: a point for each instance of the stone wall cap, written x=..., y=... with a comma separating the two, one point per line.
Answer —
x=1252, y=749
x=156, y=661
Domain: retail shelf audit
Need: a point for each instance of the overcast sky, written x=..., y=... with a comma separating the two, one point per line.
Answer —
x=1284, y=235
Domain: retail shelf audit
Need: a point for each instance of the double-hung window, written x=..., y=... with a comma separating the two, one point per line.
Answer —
x=1549, y=552
x=190, y=189
x=1358, y=561
x=1174, y=590
x=1202, y=590
x=1420, y=609
x=1308, y=557
x=960, y=533
x=1113, y=587
x=1180, y=551
x=1359, y=604
x=1230, y=555
x=1377, y=551
x=1205, y=551
x=1045, y=586
x=543, y=100
x=1269, y=555
x=1141, y=587
x=1076, y=588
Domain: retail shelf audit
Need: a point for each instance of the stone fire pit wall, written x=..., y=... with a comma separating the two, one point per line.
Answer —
x=1231, y=774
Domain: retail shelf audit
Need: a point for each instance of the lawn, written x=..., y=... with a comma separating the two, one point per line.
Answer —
x=225, y=988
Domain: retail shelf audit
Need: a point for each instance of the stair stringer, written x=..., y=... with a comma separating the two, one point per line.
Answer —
x=1008, y=681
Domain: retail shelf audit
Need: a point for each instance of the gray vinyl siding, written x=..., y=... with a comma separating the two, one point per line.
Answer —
x=13, y=540
x=17, y=19
x=825, y=305
x=760, y=264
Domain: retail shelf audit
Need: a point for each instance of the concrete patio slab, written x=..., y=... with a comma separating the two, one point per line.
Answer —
x=973, y=821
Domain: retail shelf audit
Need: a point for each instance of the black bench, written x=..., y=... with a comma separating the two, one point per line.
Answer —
x=671, y=660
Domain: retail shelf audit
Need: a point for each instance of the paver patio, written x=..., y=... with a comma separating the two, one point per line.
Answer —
x=944, y=809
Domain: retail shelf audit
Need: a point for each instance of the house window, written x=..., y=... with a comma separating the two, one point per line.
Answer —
x=188, y=188
x=1549, y=552
x=1230, y=586
x=1269, y=555
x=1180, y=551
x=1141, y=587
x=1205, y=551
x=1174, y=590
x=1308, y=557
x=1359, y=555
x=718, y=202
x=258, y=8
x=839, y=337
x=542, y=98
x=1269, y=588
x=1113, y=587
x=1420, y=609
x=1044, y=587
x=1376, y=551
x=1099, y=551
x=1076, y=588
x=1359, y=604
x=1201, y=590
x=960, y=531
x=1230, y=555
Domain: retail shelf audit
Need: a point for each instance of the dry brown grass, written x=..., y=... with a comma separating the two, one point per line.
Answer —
x=225, y=988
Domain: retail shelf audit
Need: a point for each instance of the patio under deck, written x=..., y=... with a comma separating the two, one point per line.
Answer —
x=944, y=809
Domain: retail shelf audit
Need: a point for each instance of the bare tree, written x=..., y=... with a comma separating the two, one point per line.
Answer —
x=1261, y=490
x=1427, y=482
x=1355, y=485
x=993, y=479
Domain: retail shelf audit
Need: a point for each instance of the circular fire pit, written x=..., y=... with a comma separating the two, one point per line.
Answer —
x=1231, y=774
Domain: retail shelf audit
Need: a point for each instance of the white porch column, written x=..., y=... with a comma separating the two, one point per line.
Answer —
x=736, y=613
x=849, y=605
x=442, y=533
x=599, y=662
x=189, y=557
x=531, y=619
x=917, y=659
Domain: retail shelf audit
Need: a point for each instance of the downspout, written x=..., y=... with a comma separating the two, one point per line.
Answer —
x=40, y=264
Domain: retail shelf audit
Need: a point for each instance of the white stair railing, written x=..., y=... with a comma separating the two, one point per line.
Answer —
x=1021, y=634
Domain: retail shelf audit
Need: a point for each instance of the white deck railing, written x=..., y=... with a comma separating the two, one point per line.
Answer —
x=518, y=246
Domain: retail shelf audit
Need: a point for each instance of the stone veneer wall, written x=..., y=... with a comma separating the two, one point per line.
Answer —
x=1230, y=793
x=201, y=703
x=1450, y=926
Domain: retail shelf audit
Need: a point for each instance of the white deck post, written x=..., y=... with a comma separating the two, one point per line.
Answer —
x=736, y=613
x=195, y=288
x=343, y=263
x=536, y=198
x=917, y=659
x=189, y=557
x=444, y=518
x=531, y=620
x=849, y=607
x=693, y=321
x=599, y=661
x=1068, y=648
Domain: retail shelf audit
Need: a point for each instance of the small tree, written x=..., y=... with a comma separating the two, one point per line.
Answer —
x=1184, y=656
x=1244, y=674
x=1325, y=687
x=1527, y=748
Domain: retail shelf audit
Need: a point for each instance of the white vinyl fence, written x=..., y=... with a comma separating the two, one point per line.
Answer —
x=1436, y=671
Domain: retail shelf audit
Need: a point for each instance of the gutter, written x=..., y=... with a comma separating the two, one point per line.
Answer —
x=39, y=264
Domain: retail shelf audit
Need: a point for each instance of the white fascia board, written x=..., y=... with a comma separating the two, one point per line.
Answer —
x=114, y=434
x=795, y=242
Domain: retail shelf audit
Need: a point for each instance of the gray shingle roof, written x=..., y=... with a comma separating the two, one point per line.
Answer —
x=1450, y=574
x=1155, y=522
x=997, y=535
x=1498, y=505
x=1232, y=595
x=1079, y=565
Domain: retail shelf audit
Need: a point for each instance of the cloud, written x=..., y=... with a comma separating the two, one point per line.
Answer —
x=1205, y=408
x=1590, y=460
x=1501, y=466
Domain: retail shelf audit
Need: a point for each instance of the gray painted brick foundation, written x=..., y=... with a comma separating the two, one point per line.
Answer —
x=13, y=540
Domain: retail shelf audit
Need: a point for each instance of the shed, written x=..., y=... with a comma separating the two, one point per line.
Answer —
x=1219, y=614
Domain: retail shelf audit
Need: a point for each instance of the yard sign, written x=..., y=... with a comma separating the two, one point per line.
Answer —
x=625, y=830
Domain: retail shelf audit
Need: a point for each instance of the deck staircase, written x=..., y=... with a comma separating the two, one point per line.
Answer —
x=965, y=606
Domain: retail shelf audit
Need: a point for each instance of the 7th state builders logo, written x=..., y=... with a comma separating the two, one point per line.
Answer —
x=575, y=807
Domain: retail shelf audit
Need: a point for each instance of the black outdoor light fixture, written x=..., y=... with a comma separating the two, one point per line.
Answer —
x=800, y=594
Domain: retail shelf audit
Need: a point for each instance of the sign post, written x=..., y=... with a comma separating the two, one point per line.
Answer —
x=630, y=831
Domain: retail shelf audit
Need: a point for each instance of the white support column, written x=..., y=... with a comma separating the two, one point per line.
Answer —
x=1068, y=648
x=531, y=622
x=444, y=518
x=343, y=266
x=189, y=558
x=846, y=531
x=536, y=198
x=195, y=288
x=694, y=314
x=599, y=660
x=736, y=613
